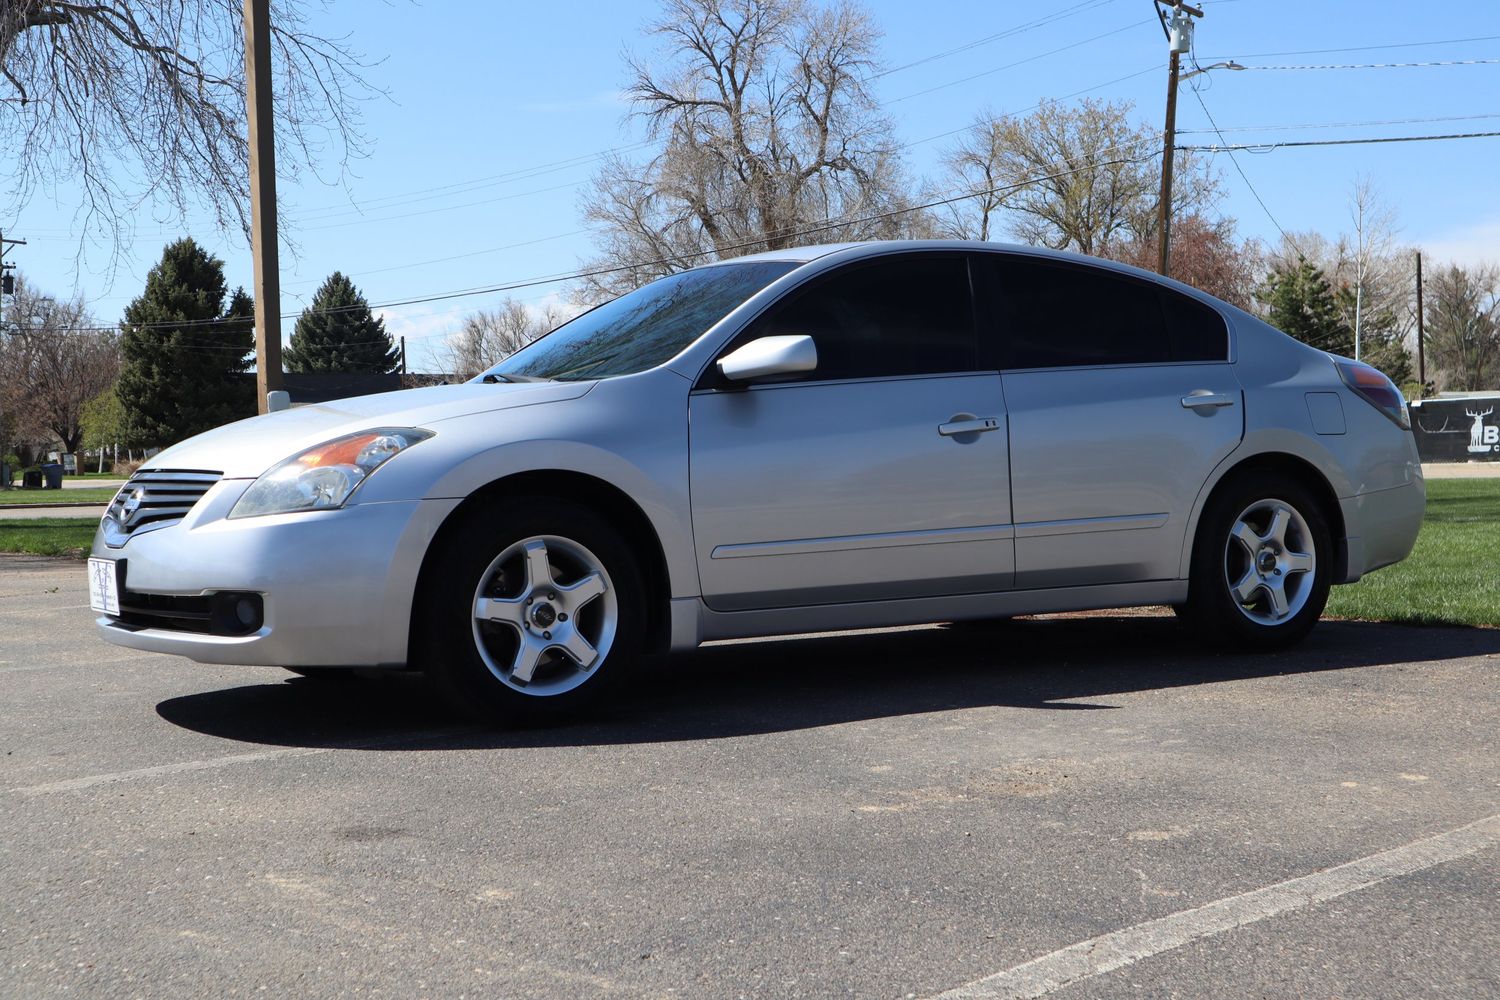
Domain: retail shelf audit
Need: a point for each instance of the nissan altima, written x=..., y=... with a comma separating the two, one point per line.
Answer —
x=822, y=438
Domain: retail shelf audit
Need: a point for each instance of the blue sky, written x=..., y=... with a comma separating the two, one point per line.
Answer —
x=495, y=110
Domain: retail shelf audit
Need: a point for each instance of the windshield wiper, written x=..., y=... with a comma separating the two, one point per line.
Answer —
x=492, y=378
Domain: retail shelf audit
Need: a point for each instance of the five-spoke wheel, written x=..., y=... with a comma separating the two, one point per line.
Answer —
x=533, y=606
x=544, y=615
x=1260, y=565
x=1268, y=561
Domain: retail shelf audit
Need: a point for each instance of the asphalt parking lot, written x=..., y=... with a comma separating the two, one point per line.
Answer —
x=1076, y=807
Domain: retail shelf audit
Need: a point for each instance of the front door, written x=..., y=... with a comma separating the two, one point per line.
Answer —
x=881, y=474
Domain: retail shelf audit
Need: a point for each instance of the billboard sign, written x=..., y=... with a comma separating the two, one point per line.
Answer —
x=1457, y=430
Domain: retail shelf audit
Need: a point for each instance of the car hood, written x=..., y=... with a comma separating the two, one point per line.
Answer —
x=247, y=448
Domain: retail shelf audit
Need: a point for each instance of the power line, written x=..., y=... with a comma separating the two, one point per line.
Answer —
x=889, y=149
x=788, y=234
x=476, y=183
x=1359, y=48
x=1323, y=125
x=1005, y=33
x=407, y=265
x=1019, y=62
x=842, y=221
x=1235, y=161
x=1405, y=65
x=1269, y=146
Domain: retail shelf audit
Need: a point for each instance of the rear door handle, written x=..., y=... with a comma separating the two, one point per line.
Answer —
x=976, y=425
x=1202, y=397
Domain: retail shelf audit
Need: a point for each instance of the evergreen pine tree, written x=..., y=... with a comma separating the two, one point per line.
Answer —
x=338, y=333
x=1301, y=303
x=183, y=355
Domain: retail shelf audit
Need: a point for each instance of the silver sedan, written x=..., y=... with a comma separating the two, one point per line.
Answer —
x=812, y=439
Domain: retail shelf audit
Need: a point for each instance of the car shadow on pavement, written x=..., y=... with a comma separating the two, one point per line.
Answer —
x=745, y=688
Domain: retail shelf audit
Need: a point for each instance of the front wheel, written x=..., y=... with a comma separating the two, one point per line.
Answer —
x=1261, y=563
x=536, y=606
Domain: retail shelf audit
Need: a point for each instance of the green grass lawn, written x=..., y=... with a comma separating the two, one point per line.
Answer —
x=88, y=494
x=1452, y=577
x=48, y=536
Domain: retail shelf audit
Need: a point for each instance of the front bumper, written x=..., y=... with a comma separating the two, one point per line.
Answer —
x=337, y=585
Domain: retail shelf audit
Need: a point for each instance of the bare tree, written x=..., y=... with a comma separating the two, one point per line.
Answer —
x=1076, y=177
x=1371, y=272
x=53, y=362
x=771, y=137
x=161, y=85
x=1380, y=287
x=489, y=336
x=1463, y=326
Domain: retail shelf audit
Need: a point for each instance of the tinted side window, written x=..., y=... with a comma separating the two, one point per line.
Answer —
x=1197, y=332
x=905, y=316
x=1056, y=315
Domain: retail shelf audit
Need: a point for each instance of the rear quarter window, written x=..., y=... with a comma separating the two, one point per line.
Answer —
x=1197, y=332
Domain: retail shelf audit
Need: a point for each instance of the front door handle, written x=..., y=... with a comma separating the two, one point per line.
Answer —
x=974, y=425
x=1202, y=397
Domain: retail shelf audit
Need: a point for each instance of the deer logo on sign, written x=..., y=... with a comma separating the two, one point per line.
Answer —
x=1482, y=438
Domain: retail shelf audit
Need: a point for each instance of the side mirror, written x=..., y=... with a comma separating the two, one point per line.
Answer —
x=770, y=356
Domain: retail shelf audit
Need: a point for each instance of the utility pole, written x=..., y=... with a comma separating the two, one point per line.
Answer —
x=1421, y=322
x=263, y=201
x=1179, y=40
x=7, y=280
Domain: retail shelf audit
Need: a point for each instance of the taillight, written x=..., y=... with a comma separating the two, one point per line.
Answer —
x=1377, y=390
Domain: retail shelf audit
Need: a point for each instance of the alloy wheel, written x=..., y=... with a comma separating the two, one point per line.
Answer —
x=545, y=614
x=1270, y=562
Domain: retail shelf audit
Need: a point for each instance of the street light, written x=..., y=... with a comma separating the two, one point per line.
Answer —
x=1231, y=64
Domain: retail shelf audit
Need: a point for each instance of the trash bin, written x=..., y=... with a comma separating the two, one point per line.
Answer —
x=52, y=474
x=31, y=479
x=4, y=475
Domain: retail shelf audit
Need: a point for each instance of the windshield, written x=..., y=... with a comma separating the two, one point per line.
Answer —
x=642, y=329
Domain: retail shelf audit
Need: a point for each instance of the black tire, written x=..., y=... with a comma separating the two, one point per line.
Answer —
x=452, y=649
x=1212, y=606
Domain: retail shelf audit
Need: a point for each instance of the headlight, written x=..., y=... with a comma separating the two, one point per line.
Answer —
x=325, y=476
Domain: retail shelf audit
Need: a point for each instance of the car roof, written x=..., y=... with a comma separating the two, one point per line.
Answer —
x=806, y=254
x=856, y=250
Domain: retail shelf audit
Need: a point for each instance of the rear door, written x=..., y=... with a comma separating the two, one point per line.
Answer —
x=1121, y=401
x=854, y=481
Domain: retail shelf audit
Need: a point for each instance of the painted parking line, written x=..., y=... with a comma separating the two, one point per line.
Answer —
x=230, y=760
x=1118, y=949
x=162, y=770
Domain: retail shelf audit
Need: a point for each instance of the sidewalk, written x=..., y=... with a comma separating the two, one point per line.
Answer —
x=34, y=511
x=1461, y=470
x=92, y=484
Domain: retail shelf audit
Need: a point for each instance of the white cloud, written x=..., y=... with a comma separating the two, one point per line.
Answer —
x=1471, y=245
x=425, y=334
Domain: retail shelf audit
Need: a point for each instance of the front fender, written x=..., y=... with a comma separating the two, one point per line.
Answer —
x=630, y=433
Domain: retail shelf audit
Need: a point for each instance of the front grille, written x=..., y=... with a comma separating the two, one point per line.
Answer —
x=158, y=497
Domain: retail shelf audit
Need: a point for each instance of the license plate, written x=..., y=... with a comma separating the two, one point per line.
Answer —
x=104, y=586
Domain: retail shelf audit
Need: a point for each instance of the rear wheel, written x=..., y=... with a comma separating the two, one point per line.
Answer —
x=1261, y=563
x=536, y=607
